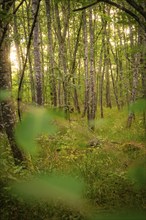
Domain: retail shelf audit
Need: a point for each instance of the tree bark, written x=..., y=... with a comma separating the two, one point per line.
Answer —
x=31, y=72
x=61, y=35
x=107, y=61
x=53, y=92
x=73, y=68
x=86, y=100
x=7, y=111
x=135, y=72
x=37, y=59
x=91, y=110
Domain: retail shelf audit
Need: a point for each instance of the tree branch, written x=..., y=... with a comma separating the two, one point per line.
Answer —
x=16, y=9
x=137, y=7
x=7, y=24
x=88, y=6
x=127, y=11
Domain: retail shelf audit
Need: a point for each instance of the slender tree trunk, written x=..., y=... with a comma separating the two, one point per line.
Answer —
x=101, y=87
x=142, y=42
x=91, y=109
x=114, y=87
x=120, y=68
x=31, y=78
x=61, y=35
x=73, y=68
x=17, y=42
x=107, y=74
x=1, y=121
x=26, y=33
x=100, y=81
x=135, y=63
x=101, y=91
x=115, y=79
x=37, y=59
x=42, y=59
x=85, y=64
x=53, y=89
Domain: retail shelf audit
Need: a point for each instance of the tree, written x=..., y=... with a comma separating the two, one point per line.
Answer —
x=91, y=107
x=37, y=59
x=140, y=18
x=135, y=10
x=61, y=33
x=86, y=99
x=5, y=81
x=53, y=92
x=82, y=57
x=135, y=58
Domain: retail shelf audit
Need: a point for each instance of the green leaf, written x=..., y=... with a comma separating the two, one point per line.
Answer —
x=4, y=95
x=138, y=106
x=54, y=187
x=36, y=122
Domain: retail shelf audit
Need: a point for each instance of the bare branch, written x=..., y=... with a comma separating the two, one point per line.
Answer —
x=88, y=6
x=16, y=9
x=136, y=18
x=7, y=24
x=137, y=7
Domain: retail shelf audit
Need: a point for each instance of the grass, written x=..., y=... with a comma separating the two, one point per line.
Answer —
x=113, y=126
x=104, y=169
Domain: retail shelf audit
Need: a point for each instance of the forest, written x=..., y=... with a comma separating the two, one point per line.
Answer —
x=72, y=109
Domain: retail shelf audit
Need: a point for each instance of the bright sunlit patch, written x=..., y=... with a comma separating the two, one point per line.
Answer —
x=127, y=30
x=13, y=58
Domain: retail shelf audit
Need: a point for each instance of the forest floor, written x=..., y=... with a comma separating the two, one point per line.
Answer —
x=110, y=161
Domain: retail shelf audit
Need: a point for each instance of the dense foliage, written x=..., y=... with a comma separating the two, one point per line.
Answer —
x=72, y=109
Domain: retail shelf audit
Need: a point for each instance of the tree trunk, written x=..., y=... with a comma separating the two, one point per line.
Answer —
x=142, y=42
x=7, y=111
x=134, y=64
x=31, y=72
x=1, y=121
x=91, y=109
x=103, y=51
x=101, y=91
x=37, y=59
x=73, y=68
x=107, y=61
x=17, y=42
x=86, y=100
x=114, y=88
x=53, y=92
x=61, y=35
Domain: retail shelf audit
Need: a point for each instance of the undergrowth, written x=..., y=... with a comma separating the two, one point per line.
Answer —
x=104, y=168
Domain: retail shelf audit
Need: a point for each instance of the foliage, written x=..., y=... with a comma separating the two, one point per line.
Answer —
x=111, y=181
x=74, y=172
x=118, y=132
x=34, y=123
x=138, y=106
